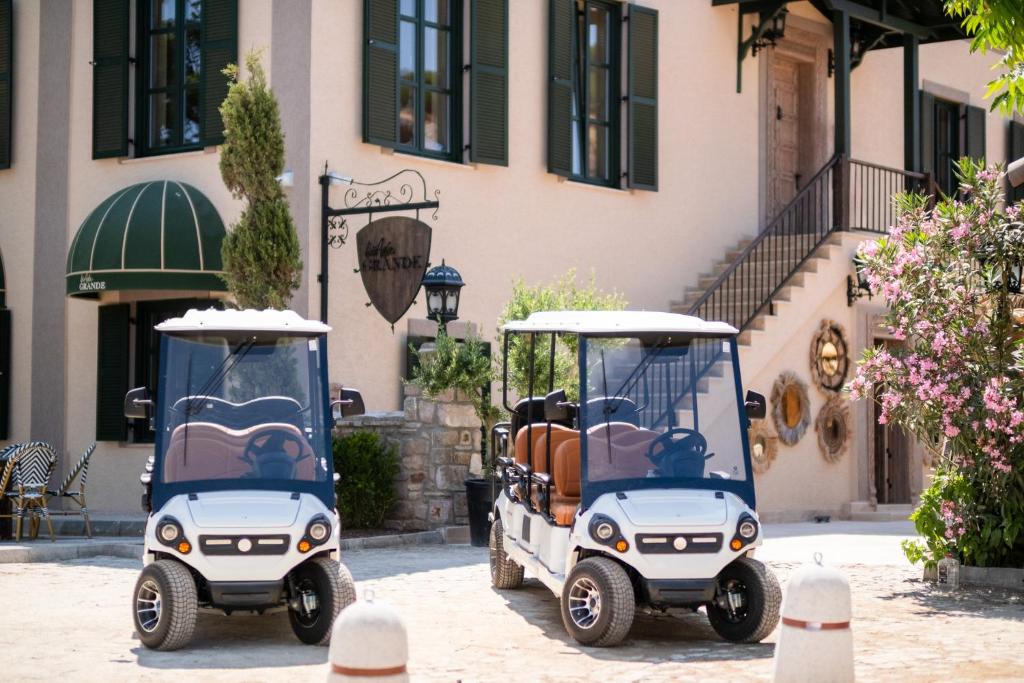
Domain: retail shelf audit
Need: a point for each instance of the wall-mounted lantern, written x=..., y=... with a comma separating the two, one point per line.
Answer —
x=443, y=286
x=857, y=285
x=771, y=30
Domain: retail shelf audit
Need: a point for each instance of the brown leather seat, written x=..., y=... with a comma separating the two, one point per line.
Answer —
x=538, y=431
x=559, y=435
x=566, y=498
x=215, y=452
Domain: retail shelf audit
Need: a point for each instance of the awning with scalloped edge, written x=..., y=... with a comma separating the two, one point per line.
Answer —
x=161, y=234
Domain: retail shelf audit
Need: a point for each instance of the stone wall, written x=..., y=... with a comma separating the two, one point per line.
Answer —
x=438, y=442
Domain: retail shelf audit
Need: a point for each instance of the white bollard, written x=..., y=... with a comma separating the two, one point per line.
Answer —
x=815, y=640
x=368, y=643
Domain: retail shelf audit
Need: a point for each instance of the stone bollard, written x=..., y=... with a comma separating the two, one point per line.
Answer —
x=368, y=643
x=815, y=640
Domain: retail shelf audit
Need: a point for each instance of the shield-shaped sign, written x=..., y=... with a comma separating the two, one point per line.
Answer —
x=393, y=256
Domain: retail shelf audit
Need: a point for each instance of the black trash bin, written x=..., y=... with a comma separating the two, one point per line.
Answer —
x=480, y=503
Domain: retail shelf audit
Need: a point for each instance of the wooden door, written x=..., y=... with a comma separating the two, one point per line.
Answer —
x=891, y=456
x=784, y=134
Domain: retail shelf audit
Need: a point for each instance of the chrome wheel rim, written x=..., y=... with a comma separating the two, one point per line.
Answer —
x=584, y=603
x=147, y=606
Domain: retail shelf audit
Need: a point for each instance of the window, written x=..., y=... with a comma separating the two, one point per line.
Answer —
x=170, y=74
x=6, y=74
x=949, y=132
x=174, y=59
x=595, y=110
x=427, y=51
x=585, y=93
x=947, y=145
x=413, y=78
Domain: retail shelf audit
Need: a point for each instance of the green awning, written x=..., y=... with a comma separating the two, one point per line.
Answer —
x=157, y=235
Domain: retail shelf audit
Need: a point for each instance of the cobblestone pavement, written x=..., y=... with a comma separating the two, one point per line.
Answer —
x=71, y=621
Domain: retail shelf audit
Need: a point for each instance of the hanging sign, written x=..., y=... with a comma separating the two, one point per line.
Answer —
x=393, y=256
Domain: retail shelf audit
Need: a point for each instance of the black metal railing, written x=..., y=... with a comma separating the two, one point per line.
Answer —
x=872, y=187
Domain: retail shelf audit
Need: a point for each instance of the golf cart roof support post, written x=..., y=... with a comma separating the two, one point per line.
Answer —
x=693, y=387
x=529, y=403
x=504, y=375
x=581, y=362
x=551, y=387
x=744, y=422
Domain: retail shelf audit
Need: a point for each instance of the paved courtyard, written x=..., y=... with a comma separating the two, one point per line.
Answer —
x=70, y=621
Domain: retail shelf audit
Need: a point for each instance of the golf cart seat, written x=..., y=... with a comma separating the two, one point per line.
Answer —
x=618, y=451
x=566, y=498
x=216, y=452
x=536, y=432
x=262, y=410
x=559, y=435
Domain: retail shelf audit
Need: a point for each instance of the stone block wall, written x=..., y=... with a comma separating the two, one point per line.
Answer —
x=438, y=443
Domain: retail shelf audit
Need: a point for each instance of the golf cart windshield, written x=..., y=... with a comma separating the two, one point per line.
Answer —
x=662, y=412
x=242, y=410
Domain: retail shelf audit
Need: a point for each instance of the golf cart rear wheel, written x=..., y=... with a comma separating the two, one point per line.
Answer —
x=746, y=604
x=164, y=605
x=323, y=588
x=598, y=603
x=505, y=573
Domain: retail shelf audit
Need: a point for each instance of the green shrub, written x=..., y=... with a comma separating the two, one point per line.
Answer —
x=366, y=490
x=564, y=294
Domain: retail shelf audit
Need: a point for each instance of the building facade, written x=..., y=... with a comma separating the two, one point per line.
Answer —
x=624, y=139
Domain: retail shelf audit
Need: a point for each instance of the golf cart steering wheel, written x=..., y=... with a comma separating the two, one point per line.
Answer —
x=680, y=458
x=267, y=456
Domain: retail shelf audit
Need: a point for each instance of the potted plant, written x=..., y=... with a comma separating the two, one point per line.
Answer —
x=464, y=368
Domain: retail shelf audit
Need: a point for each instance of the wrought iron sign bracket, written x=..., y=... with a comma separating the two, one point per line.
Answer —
x=757, y=40
x=398, y=192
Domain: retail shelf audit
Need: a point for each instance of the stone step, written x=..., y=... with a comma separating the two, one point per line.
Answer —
x=881, y=513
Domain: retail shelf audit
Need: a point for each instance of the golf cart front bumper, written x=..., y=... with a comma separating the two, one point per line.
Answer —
x=246, y=594
x=677, y=592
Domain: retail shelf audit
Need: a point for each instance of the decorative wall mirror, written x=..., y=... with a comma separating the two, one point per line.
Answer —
x=764, y=446
x=791, y=408
x=833, y=428
x=830, y=359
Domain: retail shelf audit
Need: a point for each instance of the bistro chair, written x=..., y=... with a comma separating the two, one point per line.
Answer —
x=80, y=472
x=26, y=477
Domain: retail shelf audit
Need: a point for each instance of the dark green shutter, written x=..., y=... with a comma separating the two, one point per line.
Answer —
x=6, y=83
x=643, y=98
x=561, y=31
x=5, y=371
x=110, y=28
x=974, y=132
x=112, y=372
x=1016, y=145
x=380, y=72
x=220, y=48
x=928, y=133
x=488, y=82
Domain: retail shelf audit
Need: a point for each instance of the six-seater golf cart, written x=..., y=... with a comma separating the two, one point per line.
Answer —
x=639, y=490
x=240, y=488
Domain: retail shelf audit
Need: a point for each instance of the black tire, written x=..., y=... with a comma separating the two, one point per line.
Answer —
x=605, y=580
x=760, y=597
x=332, y=584
x=164, y=605
x=505, y=573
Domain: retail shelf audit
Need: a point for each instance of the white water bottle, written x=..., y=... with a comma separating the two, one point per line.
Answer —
x=949, y=573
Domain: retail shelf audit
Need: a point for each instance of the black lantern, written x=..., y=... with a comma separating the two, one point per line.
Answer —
x=771, y=30
x=857, y=287
x=443, y=284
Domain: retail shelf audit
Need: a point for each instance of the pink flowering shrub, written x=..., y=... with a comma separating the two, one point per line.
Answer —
x=955, y=382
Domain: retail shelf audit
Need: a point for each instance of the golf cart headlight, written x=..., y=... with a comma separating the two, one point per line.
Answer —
x=168, y=531
x=604, y=530
x=318, y=531
x=748, y=529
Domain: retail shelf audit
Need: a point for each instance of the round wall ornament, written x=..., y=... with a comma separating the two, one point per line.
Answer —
x=791, y=408
x=764, y=445
x=833, y=427
x=830, y=358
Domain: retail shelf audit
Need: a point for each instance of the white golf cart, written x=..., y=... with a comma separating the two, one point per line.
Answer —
x=240, y=488
x=639, y=491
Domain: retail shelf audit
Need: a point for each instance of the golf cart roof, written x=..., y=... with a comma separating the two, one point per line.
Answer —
x=288, y=322
x=618, y=322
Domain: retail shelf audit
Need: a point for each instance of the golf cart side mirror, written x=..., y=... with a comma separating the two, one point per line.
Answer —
x=137, y=403
x=349, y=404
x=755, y=405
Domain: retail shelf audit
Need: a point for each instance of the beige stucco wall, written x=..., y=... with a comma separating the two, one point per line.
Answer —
x=17, y=216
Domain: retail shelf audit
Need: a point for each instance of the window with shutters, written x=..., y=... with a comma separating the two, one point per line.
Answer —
x=947, y=144
x=596, y=93
x=949, y=131
x=429, y=76
x=175, y=58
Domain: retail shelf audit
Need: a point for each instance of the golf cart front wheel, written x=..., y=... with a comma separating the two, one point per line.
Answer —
x=505, y=573
x=323, y=588
x=598, y=603
x=746, y=604
x=164, y=605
